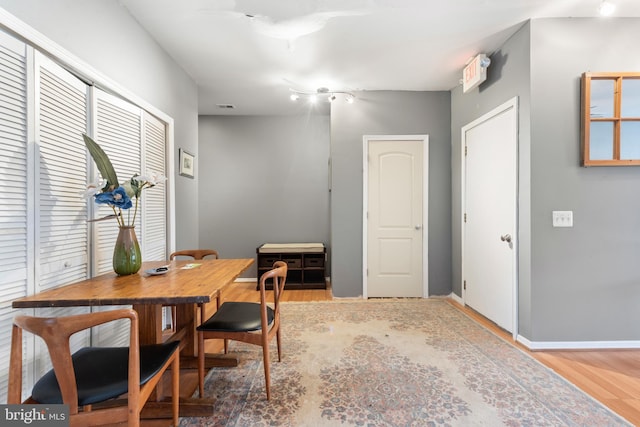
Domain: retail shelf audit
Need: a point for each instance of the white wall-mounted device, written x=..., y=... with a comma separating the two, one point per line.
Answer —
x=475, y=72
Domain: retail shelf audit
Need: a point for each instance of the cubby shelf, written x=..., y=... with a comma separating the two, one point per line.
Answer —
x=306, y=263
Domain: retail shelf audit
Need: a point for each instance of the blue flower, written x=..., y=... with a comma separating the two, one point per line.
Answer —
x=107, y=190
x=117, y=198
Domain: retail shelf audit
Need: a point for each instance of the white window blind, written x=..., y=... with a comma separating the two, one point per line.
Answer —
x=154, y=219
x=61, y=227
x=134, y=146
x=118, y=132
x=13, y=186
x=45, y=238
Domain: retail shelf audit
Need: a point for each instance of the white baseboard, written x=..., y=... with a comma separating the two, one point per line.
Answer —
x=456, y=298
x=578, y=345
x=567, y=345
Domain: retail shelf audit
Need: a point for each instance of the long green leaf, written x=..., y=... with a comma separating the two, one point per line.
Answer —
x=102, y=162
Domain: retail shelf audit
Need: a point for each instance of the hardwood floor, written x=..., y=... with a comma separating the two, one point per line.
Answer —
x=610, y=376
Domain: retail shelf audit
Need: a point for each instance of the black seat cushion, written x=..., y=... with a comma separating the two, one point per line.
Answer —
x=236, y=317
x=102, y=372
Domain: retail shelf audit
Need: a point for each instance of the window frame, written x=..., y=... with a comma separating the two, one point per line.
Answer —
x=616, y=119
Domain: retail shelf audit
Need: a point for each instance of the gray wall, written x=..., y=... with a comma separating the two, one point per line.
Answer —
x=585, y=280
x=580, y=283
x=103, y=34
x=388, y=113
x=507, y=77
x=263, y=179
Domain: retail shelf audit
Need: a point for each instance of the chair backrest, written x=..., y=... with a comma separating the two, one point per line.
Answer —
x=278, y=274
x=55, y=332
x=195, y=253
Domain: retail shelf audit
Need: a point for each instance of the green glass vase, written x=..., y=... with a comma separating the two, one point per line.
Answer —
x=126, y=254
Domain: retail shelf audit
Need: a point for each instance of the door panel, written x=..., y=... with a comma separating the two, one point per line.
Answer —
x=14, y=218
x=63, y=247
x=395, y=217
x=490, y=233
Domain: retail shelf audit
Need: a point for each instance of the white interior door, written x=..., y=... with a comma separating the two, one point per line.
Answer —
x=395, y=218
x=490, y=207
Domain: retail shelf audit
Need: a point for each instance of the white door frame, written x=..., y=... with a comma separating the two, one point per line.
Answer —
x=425, y=204
x=511, y=104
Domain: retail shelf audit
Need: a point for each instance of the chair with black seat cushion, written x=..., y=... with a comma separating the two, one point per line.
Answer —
x=92, y=379
x=253, y=323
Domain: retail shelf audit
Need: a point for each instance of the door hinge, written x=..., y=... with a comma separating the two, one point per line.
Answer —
x=465, y=150
x=464, y=285
x=465, y=217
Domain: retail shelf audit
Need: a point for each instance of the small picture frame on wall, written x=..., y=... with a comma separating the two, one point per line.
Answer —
x=187, y=163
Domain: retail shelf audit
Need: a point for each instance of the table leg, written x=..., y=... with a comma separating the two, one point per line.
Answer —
x=186, y=321
x=149, y=323
x=150, y=326
x=150, y=332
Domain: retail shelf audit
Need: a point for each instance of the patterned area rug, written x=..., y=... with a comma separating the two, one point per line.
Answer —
x=393, y=363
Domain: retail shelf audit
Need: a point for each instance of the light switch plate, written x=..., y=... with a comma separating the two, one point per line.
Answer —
x=563, y=218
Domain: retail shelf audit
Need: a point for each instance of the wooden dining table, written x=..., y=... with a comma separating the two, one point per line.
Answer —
x=185, y=285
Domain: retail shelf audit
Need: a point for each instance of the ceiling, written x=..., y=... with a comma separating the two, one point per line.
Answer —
x=251, y=53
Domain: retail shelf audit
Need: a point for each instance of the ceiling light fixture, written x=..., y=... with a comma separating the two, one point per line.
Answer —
x=322, y=93
x=606, y=8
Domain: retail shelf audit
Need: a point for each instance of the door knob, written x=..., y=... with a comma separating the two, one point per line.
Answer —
x=418, y=227
x=506, y=238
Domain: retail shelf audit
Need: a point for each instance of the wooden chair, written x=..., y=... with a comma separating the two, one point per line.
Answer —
x=94, y=375
x=253, y=323
x=195, y=253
